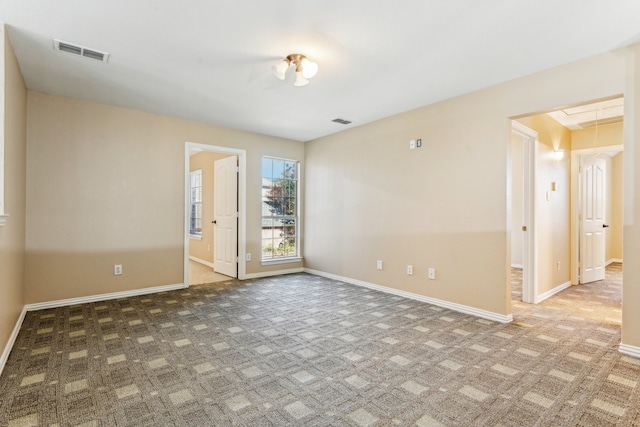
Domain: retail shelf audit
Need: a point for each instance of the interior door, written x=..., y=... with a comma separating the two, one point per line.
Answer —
x=592, y=219
x=225, y=219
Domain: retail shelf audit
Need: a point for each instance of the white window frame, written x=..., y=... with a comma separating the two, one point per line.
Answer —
x=290, y=258
x=192, y=174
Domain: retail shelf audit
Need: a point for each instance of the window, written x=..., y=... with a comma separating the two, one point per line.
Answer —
x=195, y=201
x=279, y=209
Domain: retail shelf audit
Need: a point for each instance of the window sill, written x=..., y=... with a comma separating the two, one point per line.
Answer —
x=3, y=219
x=192, y=237
x=281, y=261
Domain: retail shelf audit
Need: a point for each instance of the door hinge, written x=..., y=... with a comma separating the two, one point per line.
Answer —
x=237, y=169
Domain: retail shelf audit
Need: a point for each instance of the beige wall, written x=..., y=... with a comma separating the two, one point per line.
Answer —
x=203, y=248
x=517, y=200
x=12, y=234
x=106, y=186
x=604, y=135
x=444, y=206
x=553, y=219
x=631, y=286
x=614, y=236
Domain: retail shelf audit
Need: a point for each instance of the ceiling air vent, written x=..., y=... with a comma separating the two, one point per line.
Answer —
x=80, y=50
x=341, y=121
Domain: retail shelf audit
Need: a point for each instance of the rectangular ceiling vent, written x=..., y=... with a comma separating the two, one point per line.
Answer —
x=341, y=121
x=80, y=50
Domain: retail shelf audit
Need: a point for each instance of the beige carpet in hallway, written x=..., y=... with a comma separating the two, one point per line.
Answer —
x=200, y=274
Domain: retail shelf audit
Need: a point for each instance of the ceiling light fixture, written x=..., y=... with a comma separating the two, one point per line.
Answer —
x=305, y=69
x=558, y=154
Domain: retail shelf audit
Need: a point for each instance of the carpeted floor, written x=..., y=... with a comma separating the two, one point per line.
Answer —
x=200, y=274
x=303, y=350
x=516, y=284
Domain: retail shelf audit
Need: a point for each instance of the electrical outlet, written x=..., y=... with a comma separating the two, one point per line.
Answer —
x=410, y=270
x=379, y=265
x=432, y=274
x=247, y=256
x=418, y=143
x=117, y=269
x=412, y=144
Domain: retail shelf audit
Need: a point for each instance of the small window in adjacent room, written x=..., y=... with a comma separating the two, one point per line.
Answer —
x=280, y=232
x=195, y=204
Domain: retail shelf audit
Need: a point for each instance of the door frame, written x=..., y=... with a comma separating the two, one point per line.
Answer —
x=575, y=203
x=242, y=202
x=529, y=259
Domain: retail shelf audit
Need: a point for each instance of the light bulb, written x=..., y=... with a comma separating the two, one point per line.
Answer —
x=280, y=69
x=300, y=79
x=558, y=154
x=309, y=68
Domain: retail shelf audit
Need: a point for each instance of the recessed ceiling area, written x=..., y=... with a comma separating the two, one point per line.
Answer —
x=590, y=115
x=211, y=61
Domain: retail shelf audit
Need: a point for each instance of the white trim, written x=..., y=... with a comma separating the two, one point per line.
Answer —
x=629, y=350
x=281, y=260
x=103, y=297
x=612, y=260
x=502, y=318
x=552, y=292
x=530, y=265
x=12, y=339
x=517, y=266
x=242, y=202
x=201, y=261
x=3, y=219
x=273, y=273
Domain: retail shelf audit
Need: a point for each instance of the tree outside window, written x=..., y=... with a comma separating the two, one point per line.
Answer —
x=279, y=208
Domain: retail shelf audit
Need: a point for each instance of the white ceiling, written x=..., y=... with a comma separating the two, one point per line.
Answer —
x=209, y=60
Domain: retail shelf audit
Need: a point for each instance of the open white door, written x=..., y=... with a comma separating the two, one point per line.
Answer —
x=592, y=219
x=225, y=219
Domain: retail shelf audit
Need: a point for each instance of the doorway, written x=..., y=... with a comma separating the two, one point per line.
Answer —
x=227, y=232
x=522, y=195
x=554, y=223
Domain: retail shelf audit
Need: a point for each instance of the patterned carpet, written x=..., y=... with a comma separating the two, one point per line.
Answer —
x=303, y=350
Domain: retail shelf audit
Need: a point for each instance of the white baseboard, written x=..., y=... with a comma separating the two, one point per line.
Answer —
x=629, y=350
x=103, y=297
x=612, y=260
x=201, y=261
x=552, y=292
x=12, y=339
x=517, y=266
x=272, y=273
x=502, y=318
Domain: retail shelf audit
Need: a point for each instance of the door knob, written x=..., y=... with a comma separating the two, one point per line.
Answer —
x=215, y=222
x=605, y=225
